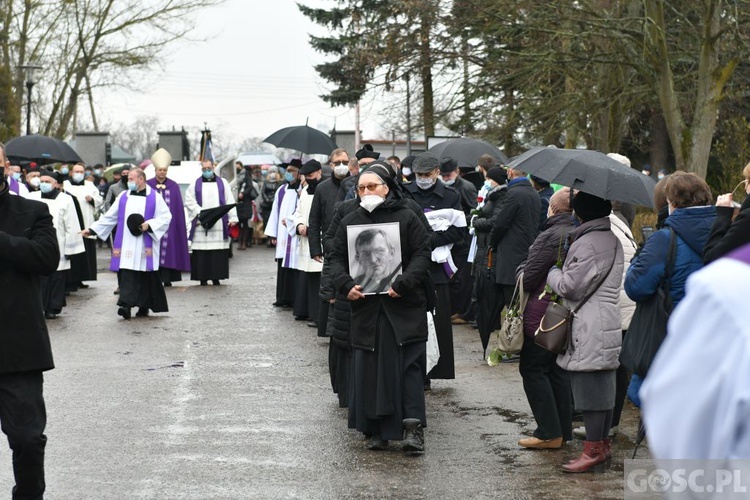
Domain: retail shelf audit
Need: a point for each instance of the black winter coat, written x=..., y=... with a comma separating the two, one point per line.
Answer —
x=514, y=229
x=439, y=197
x=406, y=313
x=327, y=194
x=468, y=192
x=484, y=221
x=727, y=235
x=28, y=250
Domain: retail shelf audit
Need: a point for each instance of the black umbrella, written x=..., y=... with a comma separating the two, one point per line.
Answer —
x=41, y=149
x=489, y=305
x=211, y=216
x=302, y=138
x=588, y=171
x=467, y=151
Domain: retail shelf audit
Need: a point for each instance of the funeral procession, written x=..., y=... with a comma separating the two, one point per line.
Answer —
x=343, y=249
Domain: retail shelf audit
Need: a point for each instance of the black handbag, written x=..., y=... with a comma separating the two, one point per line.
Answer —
x=554, y=330
x=648, y=328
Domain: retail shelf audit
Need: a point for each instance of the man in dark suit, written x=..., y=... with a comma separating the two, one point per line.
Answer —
x=28, y=250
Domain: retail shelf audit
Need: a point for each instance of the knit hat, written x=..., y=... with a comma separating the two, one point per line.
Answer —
x=559, y=203
x=498, y=175
x=589, y=207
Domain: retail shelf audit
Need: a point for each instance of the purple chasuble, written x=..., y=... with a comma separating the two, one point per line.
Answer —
x=173, y=253
x=148, y=240
x=222, y=201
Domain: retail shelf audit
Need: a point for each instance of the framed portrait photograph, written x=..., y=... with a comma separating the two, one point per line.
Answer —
x=374, y=255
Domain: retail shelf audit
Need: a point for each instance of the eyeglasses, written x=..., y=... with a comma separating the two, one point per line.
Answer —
x=370, y=187
x=339, y=163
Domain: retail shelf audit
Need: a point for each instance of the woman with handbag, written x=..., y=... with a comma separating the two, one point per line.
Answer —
x=589, y=284
x=546, y=385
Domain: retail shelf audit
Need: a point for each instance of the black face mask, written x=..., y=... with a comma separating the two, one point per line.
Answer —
x=2, y=175
x=313, y=182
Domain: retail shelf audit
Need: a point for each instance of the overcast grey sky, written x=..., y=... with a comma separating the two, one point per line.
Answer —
x=253, y=76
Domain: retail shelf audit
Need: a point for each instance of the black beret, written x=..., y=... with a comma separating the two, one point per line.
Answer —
x=408, y=161
x=310, y=166
x=50, y=173
x=296, y=162
x=134, y=224
x=367, y=152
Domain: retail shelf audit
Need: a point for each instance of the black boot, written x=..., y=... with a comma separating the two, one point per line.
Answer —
x=376, y=443
x=413, y=443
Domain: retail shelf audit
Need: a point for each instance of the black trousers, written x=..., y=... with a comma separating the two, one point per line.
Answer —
x=23, y=418
x=547, y=388
x=621, y=389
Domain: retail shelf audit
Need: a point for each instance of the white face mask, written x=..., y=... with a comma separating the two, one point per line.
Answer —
x=425, y=183
x=370, y=202
x=449, y=182
x=406, y=171
x=340, y=170
x=78, y=177
x=35, y=181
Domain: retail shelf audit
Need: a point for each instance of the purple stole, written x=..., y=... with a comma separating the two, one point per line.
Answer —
x=222, y=201
x=742, y=254
x=13, y=184
x=122, y=226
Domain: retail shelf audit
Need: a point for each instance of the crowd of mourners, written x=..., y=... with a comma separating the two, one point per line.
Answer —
x=378, y=254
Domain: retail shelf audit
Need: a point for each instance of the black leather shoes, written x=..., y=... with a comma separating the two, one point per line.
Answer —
x=142, y=313
x=376, y=443
x=216, y=282
x=124, y=312
x=312, y=324
x=50, y=316
x=204, y=283
x=413, y=443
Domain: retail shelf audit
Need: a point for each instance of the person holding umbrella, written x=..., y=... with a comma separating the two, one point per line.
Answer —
x=209, y=259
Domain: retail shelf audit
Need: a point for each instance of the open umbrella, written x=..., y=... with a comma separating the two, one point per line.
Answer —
x=467, y=151
x=588, y=171
x=210, y=216
x=41, y=149
x=302, y=138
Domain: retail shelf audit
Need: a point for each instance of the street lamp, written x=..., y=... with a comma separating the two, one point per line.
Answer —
x=30, y=70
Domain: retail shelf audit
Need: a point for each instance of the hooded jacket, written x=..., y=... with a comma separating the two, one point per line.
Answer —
x=692, y=227
x=596, y=335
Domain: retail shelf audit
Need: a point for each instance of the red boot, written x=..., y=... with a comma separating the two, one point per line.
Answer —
x=592, y=458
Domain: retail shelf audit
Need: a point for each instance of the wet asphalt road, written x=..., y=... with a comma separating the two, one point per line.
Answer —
x=227, y=397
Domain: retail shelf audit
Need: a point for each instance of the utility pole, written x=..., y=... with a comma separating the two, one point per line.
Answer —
x=408, y=116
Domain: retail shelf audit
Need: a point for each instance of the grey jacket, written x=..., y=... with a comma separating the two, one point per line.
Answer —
x=596, y=334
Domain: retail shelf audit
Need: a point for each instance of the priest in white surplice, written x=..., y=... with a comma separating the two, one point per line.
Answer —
x=83, y=266
x=65, y=219
x=142, y=217
x=209, y=259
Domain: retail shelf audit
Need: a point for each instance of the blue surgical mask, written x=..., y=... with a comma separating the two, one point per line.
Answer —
x=132, y=186
x=98, y=172
x=77, y=177
x=487, y=185
x=45, y=187
x=289, y=177
x=207, y=174
x=16, y=176
x=64, y=170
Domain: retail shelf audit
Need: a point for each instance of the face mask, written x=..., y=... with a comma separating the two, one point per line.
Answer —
x=289, y=177
x=98, y=172
x=425, y=183
x=45, y=187
x=35, y=182
x=487, y=185
x=207, y=174
x=313, y=182
x=64, y=170
x=370, y=202
x=660, y=176
x=450, y=182
x=77, y=177
x=406, y=171
x=16, y=176
x=132, y=186
x=340, y=170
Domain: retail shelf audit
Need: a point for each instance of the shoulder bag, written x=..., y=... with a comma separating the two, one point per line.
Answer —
x=648, y=328
x=553, y=333
x=510, y=336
